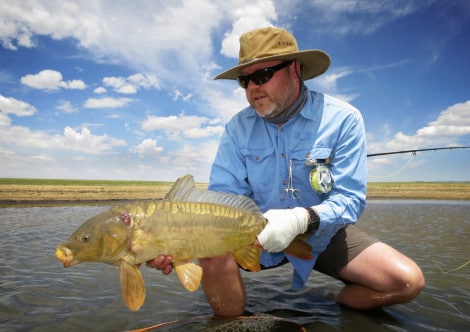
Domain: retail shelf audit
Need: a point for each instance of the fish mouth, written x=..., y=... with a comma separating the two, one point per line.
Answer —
x=65, y=256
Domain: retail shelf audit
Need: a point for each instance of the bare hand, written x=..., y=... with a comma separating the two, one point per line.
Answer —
x=162, y=263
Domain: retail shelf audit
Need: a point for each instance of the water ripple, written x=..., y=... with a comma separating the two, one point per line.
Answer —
x=38, y=294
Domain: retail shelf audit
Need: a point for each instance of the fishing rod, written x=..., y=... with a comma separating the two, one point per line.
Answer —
x=416, y=150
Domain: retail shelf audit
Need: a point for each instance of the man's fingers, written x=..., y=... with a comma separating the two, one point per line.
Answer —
x=161, y=263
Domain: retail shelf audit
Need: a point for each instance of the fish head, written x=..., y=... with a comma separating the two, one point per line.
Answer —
x=103, y=238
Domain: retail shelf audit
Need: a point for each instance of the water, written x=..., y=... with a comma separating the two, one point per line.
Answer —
x=38, y=294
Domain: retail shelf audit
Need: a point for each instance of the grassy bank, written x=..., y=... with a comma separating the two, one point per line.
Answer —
x=47, y=192
x=419, y=190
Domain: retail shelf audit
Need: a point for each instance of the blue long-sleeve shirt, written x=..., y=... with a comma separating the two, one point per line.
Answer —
x=253, y=160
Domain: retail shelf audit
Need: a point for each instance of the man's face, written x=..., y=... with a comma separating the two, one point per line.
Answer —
x=276, y=95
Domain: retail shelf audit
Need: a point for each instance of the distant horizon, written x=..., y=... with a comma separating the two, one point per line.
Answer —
x=3, y=181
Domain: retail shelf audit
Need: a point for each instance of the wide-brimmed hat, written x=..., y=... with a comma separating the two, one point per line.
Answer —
x=269, y=44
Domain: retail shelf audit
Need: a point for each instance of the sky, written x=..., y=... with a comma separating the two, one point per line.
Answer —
x=124, y=90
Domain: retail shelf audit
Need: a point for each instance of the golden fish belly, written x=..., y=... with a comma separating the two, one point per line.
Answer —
x=187, y=230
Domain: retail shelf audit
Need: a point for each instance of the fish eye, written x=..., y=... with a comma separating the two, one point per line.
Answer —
x=86, y=238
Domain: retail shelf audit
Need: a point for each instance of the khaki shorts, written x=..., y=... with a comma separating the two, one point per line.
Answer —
x=349, y=242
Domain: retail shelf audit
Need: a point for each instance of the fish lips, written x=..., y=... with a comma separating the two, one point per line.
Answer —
x=65, y=256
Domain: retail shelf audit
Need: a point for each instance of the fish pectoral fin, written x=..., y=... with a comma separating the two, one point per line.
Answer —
x=248, y=258
x=132, y=285
x=299, y=248
x=189, y=273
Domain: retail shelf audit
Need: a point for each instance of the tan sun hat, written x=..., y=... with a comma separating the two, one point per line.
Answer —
x=269, y=44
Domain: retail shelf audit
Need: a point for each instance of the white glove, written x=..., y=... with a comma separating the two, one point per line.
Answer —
x=282, y=227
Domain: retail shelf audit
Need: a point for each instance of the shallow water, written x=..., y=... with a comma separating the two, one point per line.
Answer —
x=38, y=294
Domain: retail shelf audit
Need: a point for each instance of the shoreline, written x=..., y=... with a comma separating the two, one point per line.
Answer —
x=111, y=193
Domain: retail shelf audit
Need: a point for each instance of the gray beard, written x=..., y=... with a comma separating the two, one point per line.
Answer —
x=292, y=110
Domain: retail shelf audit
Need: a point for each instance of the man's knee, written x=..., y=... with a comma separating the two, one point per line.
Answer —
x=412, y=281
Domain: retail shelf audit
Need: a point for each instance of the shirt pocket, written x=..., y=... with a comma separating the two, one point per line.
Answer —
x=303, y=162
x=261, y=168
x=320, y=155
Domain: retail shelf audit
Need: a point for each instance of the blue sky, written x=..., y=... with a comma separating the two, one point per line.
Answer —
x=124, y=90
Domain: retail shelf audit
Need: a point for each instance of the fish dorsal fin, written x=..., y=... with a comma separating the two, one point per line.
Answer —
x=248, y=258
x=189, y=273
x=184, y=190
x=132, y=285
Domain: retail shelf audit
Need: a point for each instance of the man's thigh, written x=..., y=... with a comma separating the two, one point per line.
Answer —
x=343, y=248
x=380, y=267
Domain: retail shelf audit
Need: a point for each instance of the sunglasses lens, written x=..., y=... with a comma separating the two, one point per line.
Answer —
x=243, y=81
x=261, y=76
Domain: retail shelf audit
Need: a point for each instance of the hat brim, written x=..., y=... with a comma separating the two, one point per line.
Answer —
x=315, y=63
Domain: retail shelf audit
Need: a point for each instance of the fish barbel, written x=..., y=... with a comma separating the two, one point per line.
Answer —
x=189, y=223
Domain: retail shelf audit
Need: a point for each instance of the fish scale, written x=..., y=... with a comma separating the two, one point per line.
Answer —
x=188, y=224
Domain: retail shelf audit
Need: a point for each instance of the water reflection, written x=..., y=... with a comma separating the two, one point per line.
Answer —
x=38, y=294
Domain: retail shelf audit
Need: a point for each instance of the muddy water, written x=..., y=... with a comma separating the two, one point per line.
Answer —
x=38, y=294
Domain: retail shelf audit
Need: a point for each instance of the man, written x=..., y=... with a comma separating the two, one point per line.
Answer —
x=301, y=156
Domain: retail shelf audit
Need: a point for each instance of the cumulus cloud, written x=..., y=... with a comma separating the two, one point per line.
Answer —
x=131, y=84
x=16, y=107
x=100, y=90
x=71, y=140
x=51, y=80
x=148, y=148
x=66, y=106
x=447, y=129
x=85, y=141
x=249, y=17
x=107, y=102
x=183, y=126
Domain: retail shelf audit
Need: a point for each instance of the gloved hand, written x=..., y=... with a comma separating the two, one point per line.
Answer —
x=282, y=227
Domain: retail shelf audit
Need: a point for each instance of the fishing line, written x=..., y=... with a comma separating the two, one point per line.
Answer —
x=398, y=171
x=456, y=269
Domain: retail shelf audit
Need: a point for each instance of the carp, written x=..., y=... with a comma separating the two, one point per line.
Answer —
x=188, y=224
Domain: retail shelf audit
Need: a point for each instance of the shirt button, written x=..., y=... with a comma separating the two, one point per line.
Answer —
x=284, y=183
x=282, y=155
x=255, y=157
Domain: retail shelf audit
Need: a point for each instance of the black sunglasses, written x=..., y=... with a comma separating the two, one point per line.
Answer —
x=261, y=76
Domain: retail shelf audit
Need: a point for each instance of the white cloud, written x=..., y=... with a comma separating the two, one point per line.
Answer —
x=245, y=18
x=132, y=83
x=148, y=148
x=328, y=83
x=85, y=141
x=100, y=90
x=183, y=126
x=71, y=140
x=452, y=124
x=107, y=102
x=50, y=80
x=455, y=115
x=66, y=106
x=352, y=16
x=177, y=94
x=16, y=107
x=5, y=120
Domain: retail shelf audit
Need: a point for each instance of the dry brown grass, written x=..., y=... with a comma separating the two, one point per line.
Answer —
x=420, y=190
x=24, y=194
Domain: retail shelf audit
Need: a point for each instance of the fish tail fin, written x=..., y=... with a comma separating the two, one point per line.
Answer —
x=248, y=258
x=132, y=285
x=299, y=248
